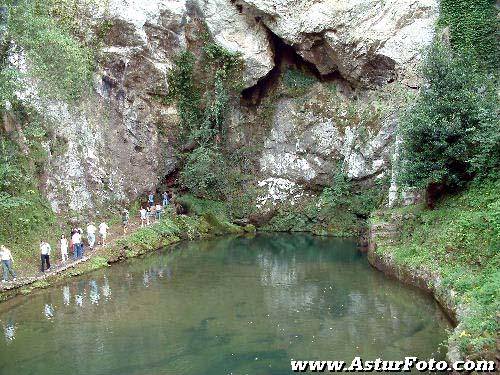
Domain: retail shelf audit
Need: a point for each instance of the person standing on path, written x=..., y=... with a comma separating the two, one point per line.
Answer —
x=144, y=215
x=151, y=199
x=125, y=218
x=7, y=260
x=71, y=244
x=64, y=248
x=77, y=243
x=165, y=199
x=158, y=211
x=103, y=231
x=91, y=229
x=80, y=231
x=44, y=255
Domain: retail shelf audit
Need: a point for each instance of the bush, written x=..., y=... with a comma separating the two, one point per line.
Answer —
x=451, y=133
x=204, y=173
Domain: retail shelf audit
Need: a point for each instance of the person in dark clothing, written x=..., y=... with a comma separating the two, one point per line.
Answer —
x=44, y=255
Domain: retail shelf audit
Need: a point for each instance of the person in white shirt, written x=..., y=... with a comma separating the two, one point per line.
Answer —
x=144, y=216
x=64, y=248
x=76, y=239
x=44, y=255
x=91, y=229
x=6, y=257
x=103, y=231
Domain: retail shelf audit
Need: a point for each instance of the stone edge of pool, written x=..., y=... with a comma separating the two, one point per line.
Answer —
x=423, y=279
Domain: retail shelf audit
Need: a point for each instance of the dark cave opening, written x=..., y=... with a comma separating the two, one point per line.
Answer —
x=285, y=57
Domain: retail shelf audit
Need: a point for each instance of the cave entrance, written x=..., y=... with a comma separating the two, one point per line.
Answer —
x=285, y=57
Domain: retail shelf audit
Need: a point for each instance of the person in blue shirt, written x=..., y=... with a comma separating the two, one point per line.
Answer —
x=151, y=199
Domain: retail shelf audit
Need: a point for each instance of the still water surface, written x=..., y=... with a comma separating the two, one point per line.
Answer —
x=230, y=305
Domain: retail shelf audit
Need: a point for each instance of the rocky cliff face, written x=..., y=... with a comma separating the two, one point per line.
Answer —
x=369, y=42
x=119, y=139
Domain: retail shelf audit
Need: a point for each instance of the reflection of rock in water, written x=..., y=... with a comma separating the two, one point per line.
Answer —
x=106, y=289
x=66, y=295
x=94, y=293
x=276, y=271
x=145, y=279
x=48, y=311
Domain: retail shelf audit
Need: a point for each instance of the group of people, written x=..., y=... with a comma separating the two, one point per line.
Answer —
x=153, y=211
x=75, y=242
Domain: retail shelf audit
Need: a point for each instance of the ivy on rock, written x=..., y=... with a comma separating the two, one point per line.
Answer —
x=202, y=97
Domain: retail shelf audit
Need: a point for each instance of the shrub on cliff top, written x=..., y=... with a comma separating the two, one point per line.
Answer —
x=473, y=29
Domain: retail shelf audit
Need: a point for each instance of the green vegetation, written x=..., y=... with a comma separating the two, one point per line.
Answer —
x=199, y=207
x=459, y=242
x=296, y=82
x=24, y=211
x=473, y=29
x=340, y=210
x=451, y=139
x=42, y=43
x=204, y=172
x=57, y=60
x=202, y=97
x=451, y=133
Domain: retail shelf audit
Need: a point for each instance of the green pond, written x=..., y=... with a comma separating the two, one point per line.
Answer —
x=235, y=305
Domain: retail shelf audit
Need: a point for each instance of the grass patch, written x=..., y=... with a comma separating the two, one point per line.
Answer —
x=460, y=241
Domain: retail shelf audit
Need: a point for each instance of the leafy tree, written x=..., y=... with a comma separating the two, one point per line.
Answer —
x=451, y=134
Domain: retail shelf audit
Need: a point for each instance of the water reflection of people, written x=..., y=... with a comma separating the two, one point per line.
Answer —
x=94, y=294
x=106, y=289
x=48, y=311
x=79, y=294
x=66, y=295
x=9, y=330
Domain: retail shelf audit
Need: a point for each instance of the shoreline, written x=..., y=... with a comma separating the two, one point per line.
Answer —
x=169, y=231
x=427, y=282
x=431, y=283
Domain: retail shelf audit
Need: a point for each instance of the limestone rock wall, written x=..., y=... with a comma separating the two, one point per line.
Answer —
x=119, y=139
